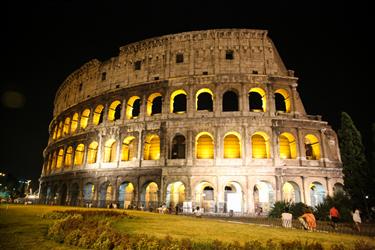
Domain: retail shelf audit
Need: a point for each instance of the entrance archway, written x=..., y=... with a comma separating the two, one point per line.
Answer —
x=105, y=195
x=63, y=193
x=74, y=195
x=317, y=193
x=149, y=198
x=175, y=194
x=205, y=197
x=126, y=195
x=291, y=192
x=88, y=193
x=263, y=196
x=233, y=197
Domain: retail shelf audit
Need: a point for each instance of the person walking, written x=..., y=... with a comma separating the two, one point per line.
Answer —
x=334, y=216
x=357, y=220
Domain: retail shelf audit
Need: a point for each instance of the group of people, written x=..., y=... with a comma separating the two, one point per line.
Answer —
x=308, y=220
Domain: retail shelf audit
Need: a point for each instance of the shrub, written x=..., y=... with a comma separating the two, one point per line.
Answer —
x=296, y=209
x=340, y=201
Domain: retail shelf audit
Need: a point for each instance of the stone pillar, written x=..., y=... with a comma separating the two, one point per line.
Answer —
x=301, y=152
x=100, y=149
x=323, y=149
x=270, y=99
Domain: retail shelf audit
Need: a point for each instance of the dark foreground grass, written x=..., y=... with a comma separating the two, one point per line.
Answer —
x=26, y=227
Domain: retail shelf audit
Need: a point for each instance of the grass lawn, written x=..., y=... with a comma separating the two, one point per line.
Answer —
x=22, y=227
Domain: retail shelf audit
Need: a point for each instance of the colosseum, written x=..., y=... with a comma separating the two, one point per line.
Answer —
x=206, y=118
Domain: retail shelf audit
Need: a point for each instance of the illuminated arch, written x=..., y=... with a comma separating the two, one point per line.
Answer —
x=178, y=101
x=178, y=147
x=66, y=126
x=230, y=101
x=287, y=146
x=74, y=124
x=204, y=99
x=54, y=135
x=88, y=192
x=59, y=131
x=98, y=115
x=68, y=157
x=114, y=111
x=260, y=145
x=78, y=155
x=205, y=196
x=264, y=195
x=152, y=147
x=257, y=100
x=105, y=194
x=126, y=195
x=133, y=107
x=204, y=146
x=150, y=195
x=128, y=149
x=232, y=145
x=54, y=159
x=85, y=118
x=233, y=197
x=92, y=152
x=154, y=104
x=110, y=148
x=312, y=147
x=60, y=157
x=282, y=102
x=291, y=192
x=317, y=193
x=175, y=194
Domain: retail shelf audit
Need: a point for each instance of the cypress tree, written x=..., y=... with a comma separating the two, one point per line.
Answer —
x=355, y=168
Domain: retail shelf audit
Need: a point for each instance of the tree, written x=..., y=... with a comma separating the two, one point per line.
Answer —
x=355, y=167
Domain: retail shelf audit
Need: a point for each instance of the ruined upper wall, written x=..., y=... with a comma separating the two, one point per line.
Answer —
x=204, y=52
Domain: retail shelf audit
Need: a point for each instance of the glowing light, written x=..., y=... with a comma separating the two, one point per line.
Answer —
x=152, y=147
x=150, y=101
x=285, y=94
x=262, y=93
x=287, y=146
x=110, y=150
x=74, y=123
x=78, y=155
x=85, y=118
x=232, y=145
x=128, y=149
x=92, y=152
x=112, y=110
x=312, y=147
x=260, y=145
x=204, y=146
x=129, y=108
x=174, y=94
x=98, y=115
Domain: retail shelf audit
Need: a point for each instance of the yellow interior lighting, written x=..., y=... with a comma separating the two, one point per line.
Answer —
x=151, y=193
x=74, y=123
x=260, y=145
x=54, y=158
x=129, y=107
x=110, y=150
x=66, y=126
x=78, y=155
x=152, y=147
x=85, y=118
x=108, y=193
x=288, y=192
x=232, y=145
x=313, y=141
x=112, y=110
x=150, y=102
x=262, y=93
x=59, y=131
x=201, y=91
x=54, y=135
x=204, y=146
x=174, y=94
x=177, y=193
x=128, y=149
x=285, y=94
x=68, y=157
x=97, y=114
x=92, y=152
x=60, y=157
x=288, y=149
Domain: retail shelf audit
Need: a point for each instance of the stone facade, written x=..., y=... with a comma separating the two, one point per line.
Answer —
x=239, y=140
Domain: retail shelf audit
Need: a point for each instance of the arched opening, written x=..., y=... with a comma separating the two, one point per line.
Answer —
x=204, y=146
x=128, y=149
x=287, y=146
x=60, y=157
x=105, y=194
x=154, y=104
x=175, y=194
x=150, y=195
x=110, y=148
x=204, y=99
x=63, y=195
x=114, y=111
x=205, y=197
x=126, y=195
x=282, y=100
x=78, y=155
x=152, y=147
x=291, y=192
x=54, y=134
x=98, y=115
x=233, y=199
x=257, y=100
x=92, y=152
x=317, y=193
x=338, y=188
x=74, y=124
x=54, y=159
x=312, y=147
x=260, y=145
x=66, y=126
x=263, y=196
x=133, y=108
x=59, y=131
x=232, y=145
x=230, y=101
x=88, y=193
x=178, y=147
x=178, y=102
x=74, y=193
x=84, y=118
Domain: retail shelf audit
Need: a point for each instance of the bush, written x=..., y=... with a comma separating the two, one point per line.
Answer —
x=340, y=201
x=296, y=209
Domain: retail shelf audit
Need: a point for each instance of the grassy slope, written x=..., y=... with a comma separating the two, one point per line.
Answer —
x=21, y=227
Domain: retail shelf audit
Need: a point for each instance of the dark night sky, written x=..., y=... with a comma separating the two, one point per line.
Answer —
x=327, y=46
